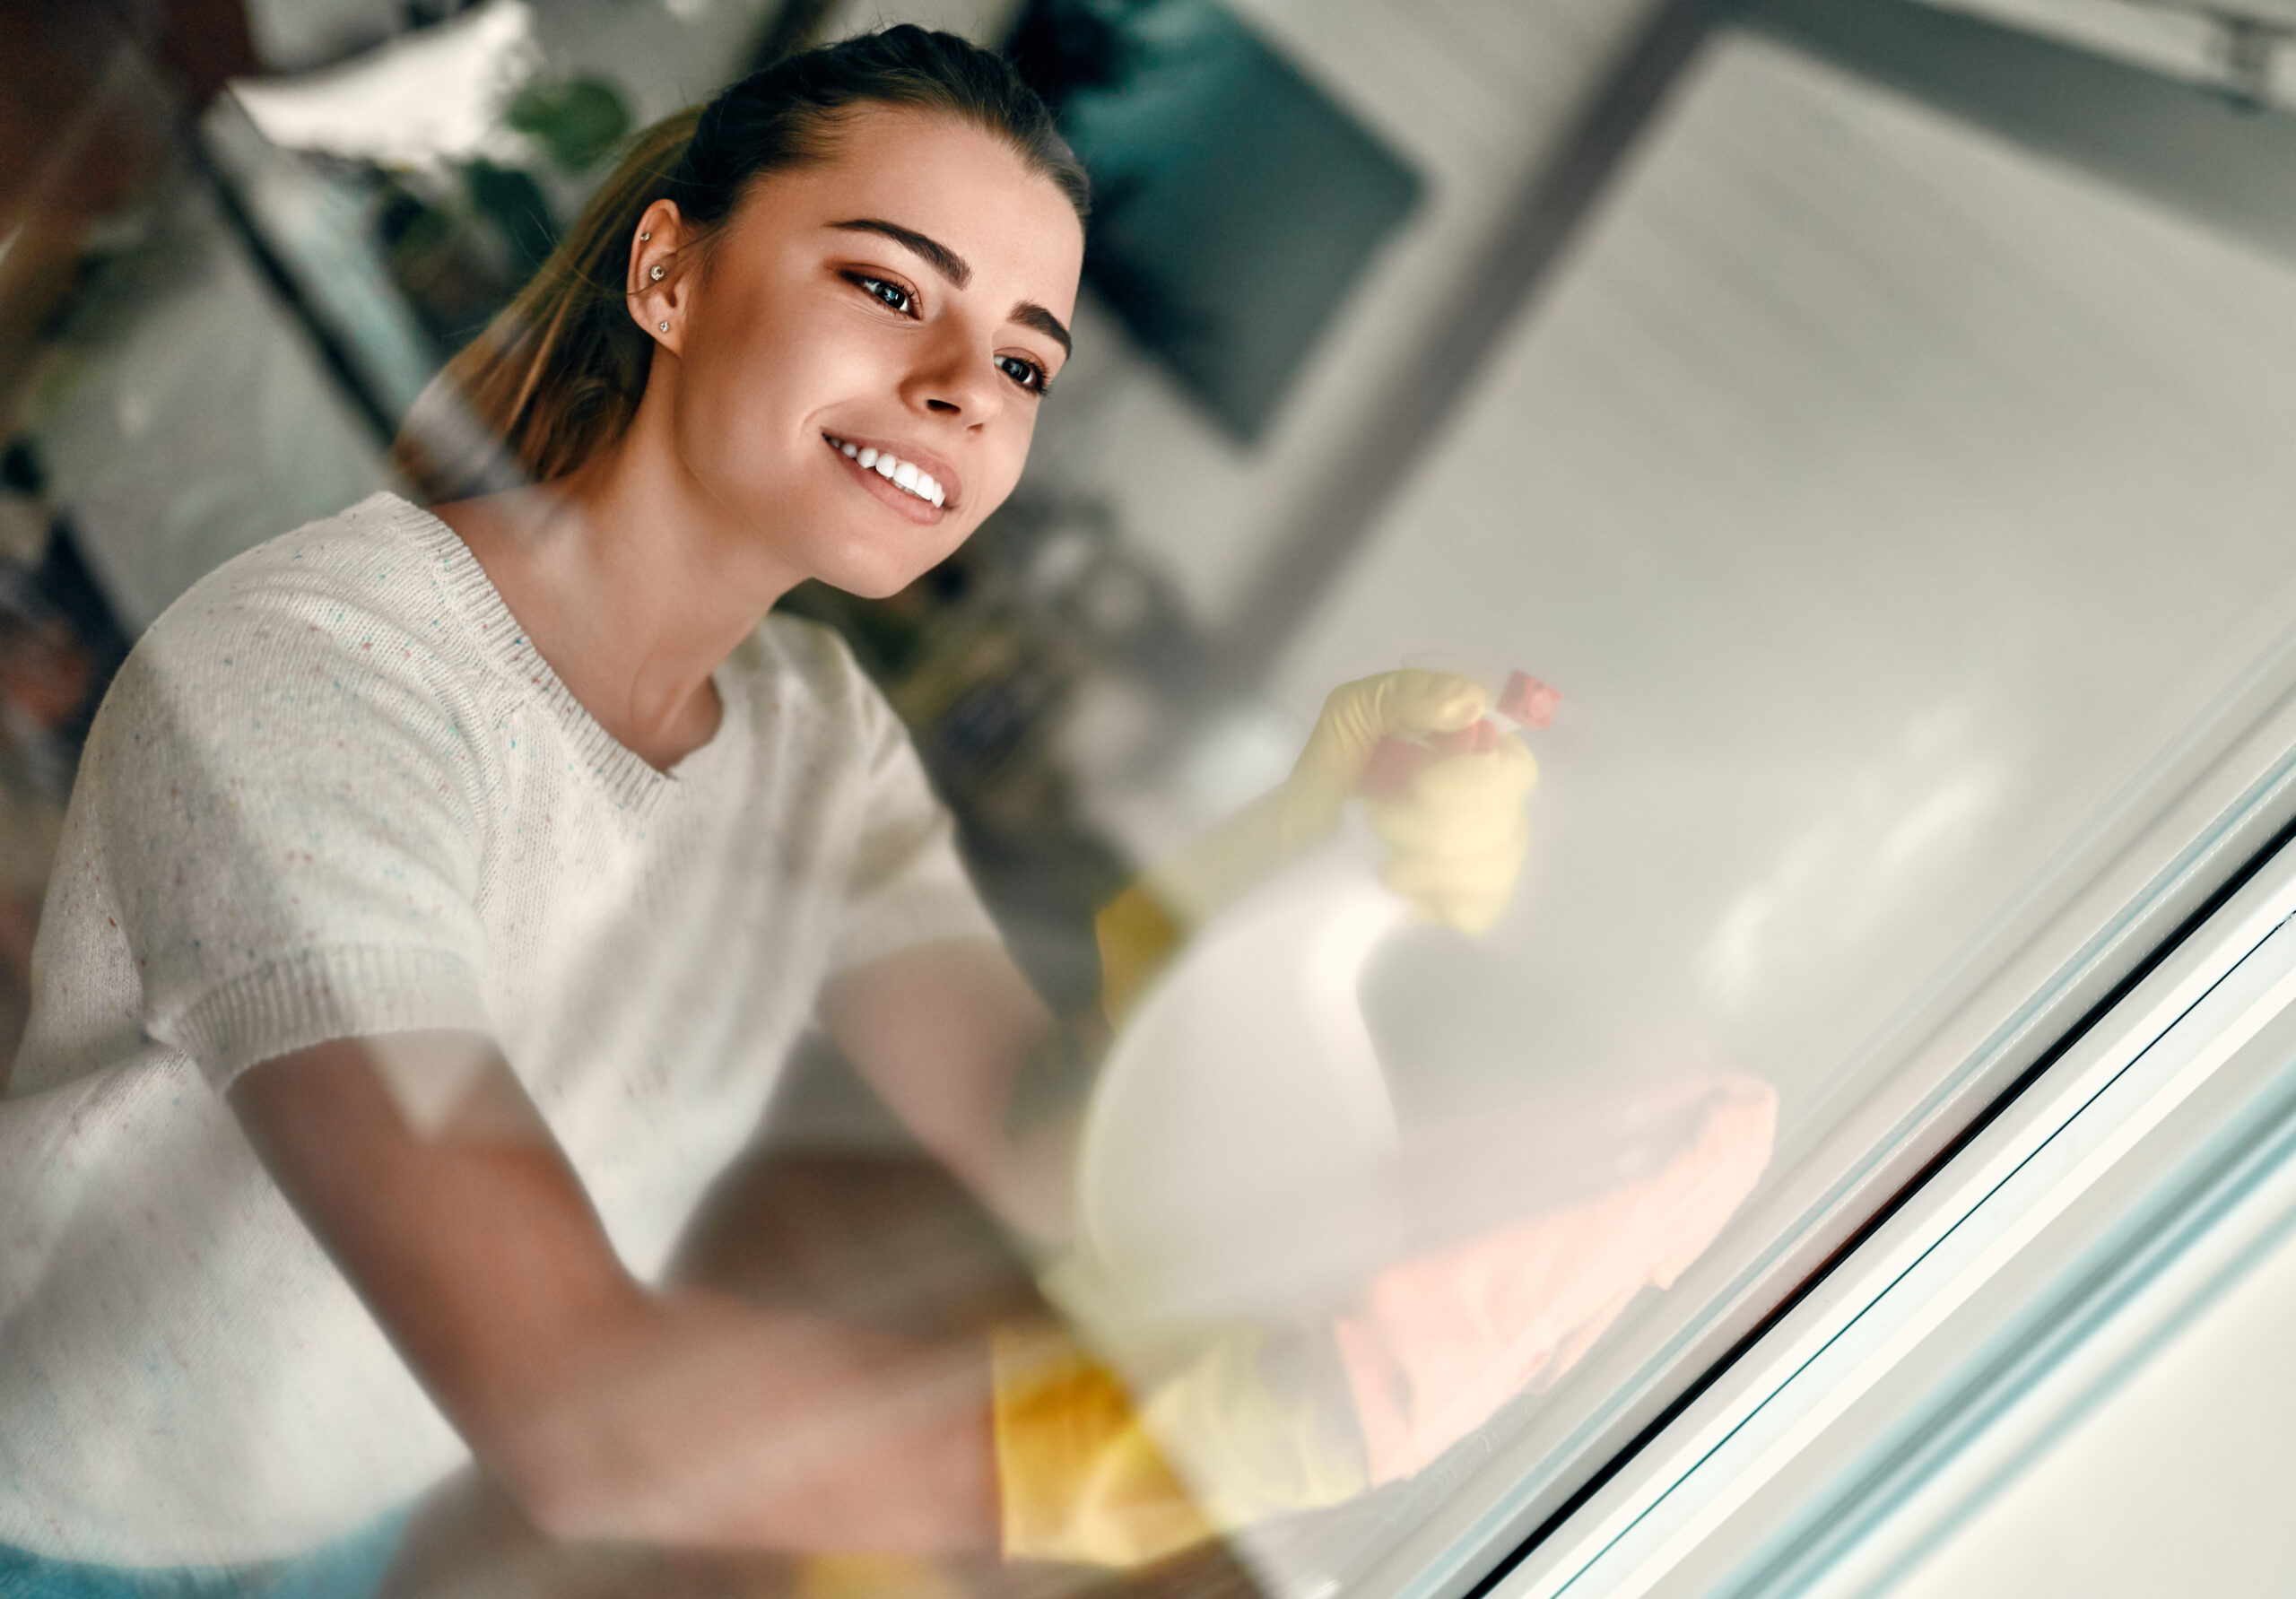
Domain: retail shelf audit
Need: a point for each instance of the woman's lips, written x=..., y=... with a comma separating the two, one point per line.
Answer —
x=913, y=484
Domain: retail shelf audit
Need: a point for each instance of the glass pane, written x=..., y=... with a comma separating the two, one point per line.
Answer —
x=1898, y=516
x=1870, y=530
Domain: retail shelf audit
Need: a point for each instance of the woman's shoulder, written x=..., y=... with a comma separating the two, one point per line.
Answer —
x=360, y=554
x=367, y=582
x=333, y=635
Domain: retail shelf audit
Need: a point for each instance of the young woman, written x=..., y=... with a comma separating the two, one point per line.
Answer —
x=443, y=889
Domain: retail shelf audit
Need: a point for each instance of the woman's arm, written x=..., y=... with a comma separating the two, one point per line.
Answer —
x=944, y=1033
x=607, y=1411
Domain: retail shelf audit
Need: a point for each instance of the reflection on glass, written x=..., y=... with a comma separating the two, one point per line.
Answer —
x=949, y=1095
x=1896, y=509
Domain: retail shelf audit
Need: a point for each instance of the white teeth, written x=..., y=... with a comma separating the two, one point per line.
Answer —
x=903, y=473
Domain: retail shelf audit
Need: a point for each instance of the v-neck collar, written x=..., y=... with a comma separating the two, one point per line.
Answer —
x=629, y=780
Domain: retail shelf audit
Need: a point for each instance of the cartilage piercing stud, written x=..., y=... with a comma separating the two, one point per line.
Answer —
x=642, y=238
x=657, y=275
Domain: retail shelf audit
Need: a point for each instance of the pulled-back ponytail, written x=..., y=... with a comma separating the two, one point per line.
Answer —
x=557, y=376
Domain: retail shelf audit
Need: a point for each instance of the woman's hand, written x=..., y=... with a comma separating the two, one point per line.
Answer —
x=1455, y=830
x=1356, y=717
x=606, y=1409
x=1455, y=833
x=1252, y=1424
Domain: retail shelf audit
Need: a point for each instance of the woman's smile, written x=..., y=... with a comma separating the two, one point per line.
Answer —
x=921, y=486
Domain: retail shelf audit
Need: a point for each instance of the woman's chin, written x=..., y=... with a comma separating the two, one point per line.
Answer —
x=873, y=579
x=874, y=568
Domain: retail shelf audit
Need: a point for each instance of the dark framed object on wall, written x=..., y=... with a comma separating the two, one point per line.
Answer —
x=1236, y=203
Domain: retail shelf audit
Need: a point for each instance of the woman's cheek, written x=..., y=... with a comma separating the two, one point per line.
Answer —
x=1003, y=476
x=728, y=440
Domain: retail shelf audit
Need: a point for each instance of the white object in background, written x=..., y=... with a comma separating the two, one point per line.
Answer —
x=294, y=36
x=1239, y=1156
x=425, y=97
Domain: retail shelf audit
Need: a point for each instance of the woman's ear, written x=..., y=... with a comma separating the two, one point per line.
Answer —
x=656, y=281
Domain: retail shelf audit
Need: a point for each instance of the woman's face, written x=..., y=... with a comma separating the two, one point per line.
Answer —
x=909, y=296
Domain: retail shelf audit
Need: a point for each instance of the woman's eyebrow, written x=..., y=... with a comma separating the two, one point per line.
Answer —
x=958, y=271
x=1030, y=314
x=939, y=256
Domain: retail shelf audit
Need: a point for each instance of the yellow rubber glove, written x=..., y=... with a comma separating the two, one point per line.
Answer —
x=871, y=1576
x=1457, y=834
x=1079, y=1477
x=1086, y=1477
x=1251, y=1426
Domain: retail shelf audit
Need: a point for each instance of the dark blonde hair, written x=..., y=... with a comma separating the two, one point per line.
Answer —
x=557, y=376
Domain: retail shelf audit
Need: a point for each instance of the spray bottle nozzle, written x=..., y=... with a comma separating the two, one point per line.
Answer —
x=1528, y=701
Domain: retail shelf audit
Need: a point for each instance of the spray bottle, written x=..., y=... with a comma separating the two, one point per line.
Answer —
x=1240, y=1158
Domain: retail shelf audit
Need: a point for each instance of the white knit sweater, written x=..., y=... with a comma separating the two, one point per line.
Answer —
x=336, y=792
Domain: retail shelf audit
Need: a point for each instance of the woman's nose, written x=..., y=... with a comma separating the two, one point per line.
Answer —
x=956, y=380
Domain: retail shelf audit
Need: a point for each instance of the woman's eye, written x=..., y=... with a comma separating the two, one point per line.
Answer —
x=892, y=294
x=1026, y=373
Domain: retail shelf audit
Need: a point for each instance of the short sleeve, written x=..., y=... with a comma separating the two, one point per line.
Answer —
x=280, y=815
x=907, y=885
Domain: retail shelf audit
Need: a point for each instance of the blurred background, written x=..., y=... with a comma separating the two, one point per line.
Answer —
x=1871, y=414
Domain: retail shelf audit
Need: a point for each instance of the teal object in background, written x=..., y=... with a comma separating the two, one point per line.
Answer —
x=351, y=1568
x=1235, y=202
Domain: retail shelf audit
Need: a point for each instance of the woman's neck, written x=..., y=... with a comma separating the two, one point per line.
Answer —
x=626, y=579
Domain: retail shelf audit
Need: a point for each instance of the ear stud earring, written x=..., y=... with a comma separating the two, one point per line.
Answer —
x=664, y=326
x=657, y=275
x=642, y=238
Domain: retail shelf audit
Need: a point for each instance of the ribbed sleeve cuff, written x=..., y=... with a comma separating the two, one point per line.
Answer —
x=320, y=995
